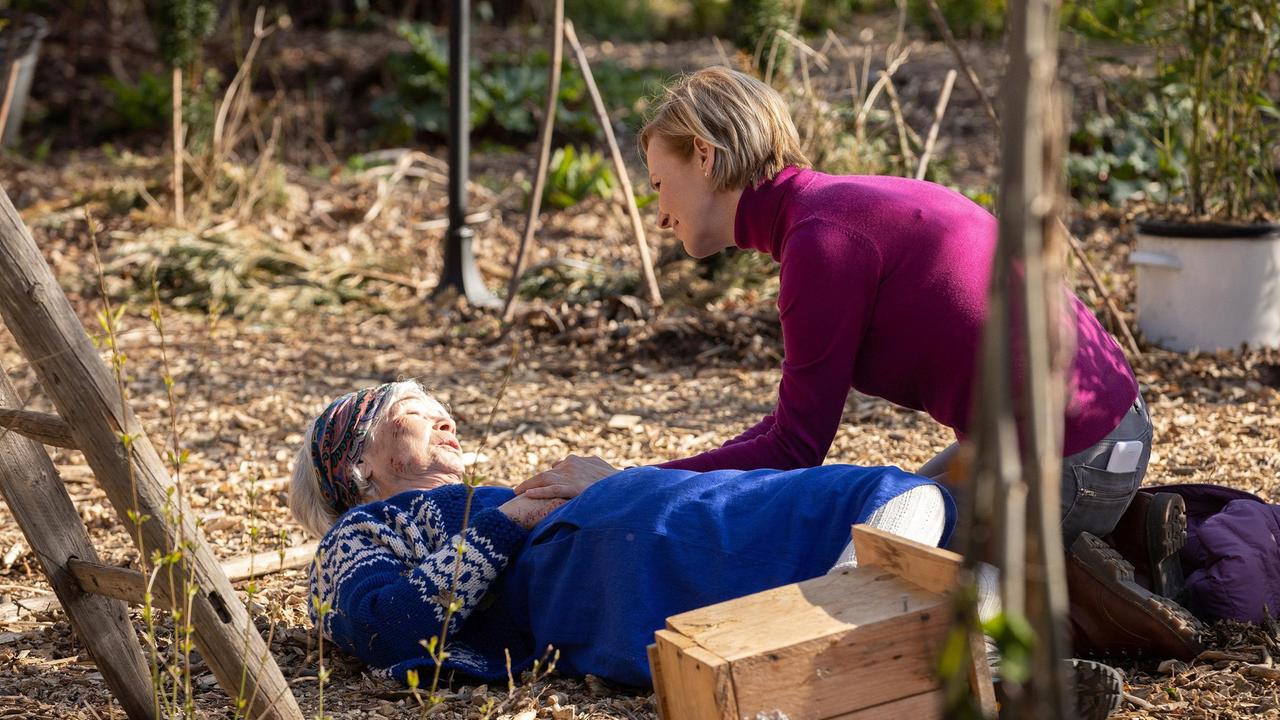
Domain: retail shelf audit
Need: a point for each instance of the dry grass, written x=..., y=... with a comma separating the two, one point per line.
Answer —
x=695, y=375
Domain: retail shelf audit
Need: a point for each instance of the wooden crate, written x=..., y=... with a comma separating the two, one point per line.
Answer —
x=859, y=644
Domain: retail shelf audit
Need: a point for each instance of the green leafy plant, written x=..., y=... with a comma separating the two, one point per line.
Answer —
x=507, y=93
x=1116, y=157
x=758, y=23
x=575, y=175
x=142, y=105
x=966, y=18
x=1223, y=62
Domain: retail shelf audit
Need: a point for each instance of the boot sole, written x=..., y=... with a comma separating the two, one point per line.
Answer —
x=1106, y=564
x=1166, y=537
x=1099, y=689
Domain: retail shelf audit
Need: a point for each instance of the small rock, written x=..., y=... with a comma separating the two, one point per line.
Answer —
x=619, y=422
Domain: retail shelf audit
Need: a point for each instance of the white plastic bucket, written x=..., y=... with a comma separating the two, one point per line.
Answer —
x=1208, y=293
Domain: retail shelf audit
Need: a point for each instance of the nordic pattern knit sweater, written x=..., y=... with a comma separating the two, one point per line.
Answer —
x=883, y=288
x=385, y=569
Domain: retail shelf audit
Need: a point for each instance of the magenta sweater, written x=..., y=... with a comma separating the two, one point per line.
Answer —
x=883, y=288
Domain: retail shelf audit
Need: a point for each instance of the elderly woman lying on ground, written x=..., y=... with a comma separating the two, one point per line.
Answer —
x=379, y=477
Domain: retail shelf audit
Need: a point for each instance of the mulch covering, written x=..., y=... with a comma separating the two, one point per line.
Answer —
x=599, y=372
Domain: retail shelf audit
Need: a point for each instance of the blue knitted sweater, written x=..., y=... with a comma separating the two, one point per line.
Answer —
x=385, y=569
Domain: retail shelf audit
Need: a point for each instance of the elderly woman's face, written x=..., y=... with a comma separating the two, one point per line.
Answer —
x=415, y=447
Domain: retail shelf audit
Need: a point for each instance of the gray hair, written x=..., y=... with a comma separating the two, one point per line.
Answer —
x=306, y=503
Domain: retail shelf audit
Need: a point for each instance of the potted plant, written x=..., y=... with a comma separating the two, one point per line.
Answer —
x=1208, y=255
x=20, y=34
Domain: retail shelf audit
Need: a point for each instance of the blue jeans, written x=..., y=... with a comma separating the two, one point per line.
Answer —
x=1093, y=499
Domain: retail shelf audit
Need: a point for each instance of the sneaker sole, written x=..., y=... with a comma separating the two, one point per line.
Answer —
x=1104, y=562
x=1165, y=542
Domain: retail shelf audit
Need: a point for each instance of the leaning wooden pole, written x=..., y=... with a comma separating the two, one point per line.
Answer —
x=620, y=166
x=53, y=529
x=544, y=157
x=131, y=473
x=1030, y=201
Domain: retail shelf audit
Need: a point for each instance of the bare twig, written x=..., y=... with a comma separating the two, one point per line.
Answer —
x=870, y=100
x=544, y=157
x=969, y=74
x=624, y=179
x=724, y=56
x=1138, y=702
x=819, y=59
x=938, y=112
x=903, y=145
x=1110, y=304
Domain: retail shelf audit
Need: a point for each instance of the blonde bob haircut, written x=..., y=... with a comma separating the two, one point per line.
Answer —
x=745, y=120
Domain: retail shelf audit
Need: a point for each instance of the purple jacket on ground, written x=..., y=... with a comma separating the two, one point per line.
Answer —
x=883, y=288
x=1232, y=558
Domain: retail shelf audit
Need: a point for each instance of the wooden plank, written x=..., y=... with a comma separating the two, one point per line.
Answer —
x=53, y=529
x=659, y=683
x=84, y=391
x=41, y=427
x=697, y=684
x=126, y=584
x=933, y=569
x=980, y=679
x=812, y=610
x=917, y=707
x=112, y=581
x=269, y=561
x=861, y=667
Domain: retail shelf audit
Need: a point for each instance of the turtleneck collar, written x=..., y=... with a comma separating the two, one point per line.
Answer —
x=759, y=210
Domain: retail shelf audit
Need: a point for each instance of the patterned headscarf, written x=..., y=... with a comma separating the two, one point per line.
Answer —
x=338, y=439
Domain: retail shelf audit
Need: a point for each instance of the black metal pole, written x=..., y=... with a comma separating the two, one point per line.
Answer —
x=460, y=270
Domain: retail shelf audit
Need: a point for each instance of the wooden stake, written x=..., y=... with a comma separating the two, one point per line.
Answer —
x=7, y=103
x=655, y=298
x=938, y=112
x=544, y=157
x=49, y=521
x=1031, y=198
x=178, y=214
x=82, y=388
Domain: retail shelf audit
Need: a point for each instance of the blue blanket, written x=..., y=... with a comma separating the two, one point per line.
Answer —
x=598, y=576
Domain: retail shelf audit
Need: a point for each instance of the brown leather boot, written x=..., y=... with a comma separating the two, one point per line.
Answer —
x=1150, y=536
x=1113, y=615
